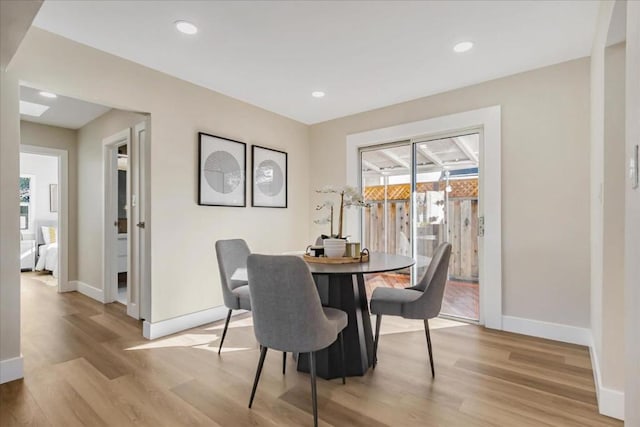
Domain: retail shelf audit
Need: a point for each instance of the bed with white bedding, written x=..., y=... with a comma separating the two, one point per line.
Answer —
x=48, y=258
x=47, y=236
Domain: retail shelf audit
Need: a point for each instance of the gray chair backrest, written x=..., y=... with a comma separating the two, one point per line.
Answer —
x=287, y=313
x=232, y=254
x=432, y=284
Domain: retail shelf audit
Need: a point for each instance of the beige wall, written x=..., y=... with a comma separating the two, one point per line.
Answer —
x=91, y=191
x=184, y=273
x=9, y=223
x=632, y=222
x=607, y=212
x=545, y=168
x=597, y=172
x=39, y=135
x=613, y=215
x=15, y=18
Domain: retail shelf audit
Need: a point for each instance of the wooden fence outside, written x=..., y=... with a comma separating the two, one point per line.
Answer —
x=463, y=232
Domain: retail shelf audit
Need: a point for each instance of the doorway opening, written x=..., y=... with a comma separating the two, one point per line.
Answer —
x=74, y=131
x=423, y=192
x=125, y=237
x=43, y=233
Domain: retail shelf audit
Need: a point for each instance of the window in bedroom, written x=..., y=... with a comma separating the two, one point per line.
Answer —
x=26, y=202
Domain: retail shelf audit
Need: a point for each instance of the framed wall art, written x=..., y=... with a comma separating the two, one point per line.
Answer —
x=222, y=164
x=268, y=177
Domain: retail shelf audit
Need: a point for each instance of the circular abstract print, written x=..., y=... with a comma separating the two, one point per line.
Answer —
x=269, y=178
x=222, y=172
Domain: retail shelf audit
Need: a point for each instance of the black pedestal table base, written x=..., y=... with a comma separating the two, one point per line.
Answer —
x=347, y=293
x=341, y=286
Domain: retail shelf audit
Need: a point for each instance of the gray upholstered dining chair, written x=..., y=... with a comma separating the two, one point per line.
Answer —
x=232, y=254
x=288, y=315
x=422, y=301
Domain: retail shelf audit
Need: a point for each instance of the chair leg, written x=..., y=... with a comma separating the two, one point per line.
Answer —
x=284, y=362
x=344, y=367
x=314, y=397
x=263, y=353
x=375, y=341
x=426, y=331
x=224, y=333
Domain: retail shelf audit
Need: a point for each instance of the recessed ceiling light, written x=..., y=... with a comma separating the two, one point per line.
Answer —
x=462, y=47
x=32, y=109
x=186, y=27
x=48, y=94
x=317, y=94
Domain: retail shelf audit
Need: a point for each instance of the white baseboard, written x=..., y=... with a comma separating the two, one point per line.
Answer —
x=610, y=401
x=181, y=323
x=548, y=330
x=11, y=369
x=88, y=290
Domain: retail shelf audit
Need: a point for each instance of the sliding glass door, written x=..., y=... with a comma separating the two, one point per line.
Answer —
x=422, y=193
x=446, y=210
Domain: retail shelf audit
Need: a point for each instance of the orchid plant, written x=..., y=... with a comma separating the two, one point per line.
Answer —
x=349, y=196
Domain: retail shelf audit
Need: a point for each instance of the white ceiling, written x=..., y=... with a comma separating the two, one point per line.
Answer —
x=363, y=54
x=63, y=112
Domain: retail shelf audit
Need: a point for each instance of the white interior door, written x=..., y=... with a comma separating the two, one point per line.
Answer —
x=133, y=283
x=139, y=295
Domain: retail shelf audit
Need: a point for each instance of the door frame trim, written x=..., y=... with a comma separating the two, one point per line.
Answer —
x=489, y=119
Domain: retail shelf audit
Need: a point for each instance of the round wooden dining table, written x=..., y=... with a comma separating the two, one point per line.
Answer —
x=342, y=286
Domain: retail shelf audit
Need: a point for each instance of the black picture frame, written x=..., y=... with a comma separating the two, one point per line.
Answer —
x=222, y=167
x=269, y=178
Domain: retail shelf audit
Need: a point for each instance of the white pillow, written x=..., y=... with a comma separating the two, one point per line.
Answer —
x=50, y=235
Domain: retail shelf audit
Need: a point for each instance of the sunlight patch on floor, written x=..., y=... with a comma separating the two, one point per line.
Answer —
x=204, y=341
x=234, y=323
x=182, y=340
x=225, y=349
x=45, y=278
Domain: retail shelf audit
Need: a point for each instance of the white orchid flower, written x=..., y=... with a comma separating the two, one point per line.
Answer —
x=349, y=196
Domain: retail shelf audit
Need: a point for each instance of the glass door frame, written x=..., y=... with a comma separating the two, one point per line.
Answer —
x=414, y=183
x=413, y=173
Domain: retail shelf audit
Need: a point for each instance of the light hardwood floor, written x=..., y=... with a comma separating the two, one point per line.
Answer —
x=87, y=364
